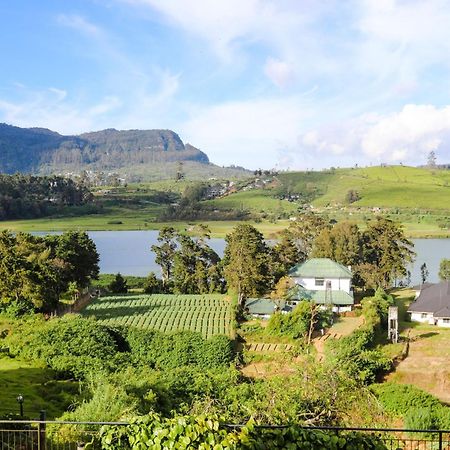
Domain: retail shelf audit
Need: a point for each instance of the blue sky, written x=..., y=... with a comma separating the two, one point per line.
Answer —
x=260, y=83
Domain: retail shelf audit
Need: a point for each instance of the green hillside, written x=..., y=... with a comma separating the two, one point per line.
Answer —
x=389, y=187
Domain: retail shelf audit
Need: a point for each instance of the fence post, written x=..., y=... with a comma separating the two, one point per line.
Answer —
x=440, y=440
x=41, y=431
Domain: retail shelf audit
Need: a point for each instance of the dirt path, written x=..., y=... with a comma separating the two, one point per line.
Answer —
x=344, y=327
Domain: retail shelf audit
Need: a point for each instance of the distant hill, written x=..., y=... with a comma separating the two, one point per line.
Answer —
x=390, y=187
x=42, y=151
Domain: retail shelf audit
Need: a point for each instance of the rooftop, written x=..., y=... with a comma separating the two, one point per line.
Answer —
x=320, y=267
x=433, y=299
x=321, y=297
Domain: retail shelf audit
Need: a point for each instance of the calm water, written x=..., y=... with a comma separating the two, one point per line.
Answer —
x=128, y=252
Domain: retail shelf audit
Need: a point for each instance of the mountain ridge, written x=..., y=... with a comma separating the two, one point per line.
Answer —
x=43, y=151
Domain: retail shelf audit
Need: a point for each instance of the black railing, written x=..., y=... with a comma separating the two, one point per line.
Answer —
x=69, y=435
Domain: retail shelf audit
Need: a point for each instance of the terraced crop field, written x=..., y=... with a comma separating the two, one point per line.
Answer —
x=209, y=314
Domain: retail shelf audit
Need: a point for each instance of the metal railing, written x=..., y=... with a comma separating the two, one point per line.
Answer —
x=66, y=435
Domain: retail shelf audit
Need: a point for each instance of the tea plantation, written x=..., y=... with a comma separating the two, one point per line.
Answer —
x=208, y=314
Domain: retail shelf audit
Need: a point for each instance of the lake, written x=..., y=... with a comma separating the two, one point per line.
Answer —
x=128, y=252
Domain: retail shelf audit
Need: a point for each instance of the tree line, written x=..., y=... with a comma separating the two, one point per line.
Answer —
x=36, y=270
x=378, y=255
x=27, y=196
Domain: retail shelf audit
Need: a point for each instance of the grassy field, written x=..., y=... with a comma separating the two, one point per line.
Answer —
x=419, y=198
x=38, y=386
x=207, y=314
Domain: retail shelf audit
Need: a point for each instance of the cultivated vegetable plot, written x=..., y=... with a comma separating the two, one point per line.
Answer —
x=209, y=314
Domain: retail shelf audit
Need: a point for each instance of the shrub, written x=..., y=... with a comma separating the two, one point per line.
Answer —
x=118, y=285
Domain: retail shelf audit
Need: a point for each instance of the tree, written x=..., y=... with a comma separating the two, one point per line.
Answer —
x=444, y=269
x=165, y=253
x=118, y=285
x=342, y=244
x=386, y=250
x=281, y=290
x=431, y=159
x=285, y=252
x=246, y=262
x=424, y=272
x=303, y=232
x=79, y=253
x=152, y=285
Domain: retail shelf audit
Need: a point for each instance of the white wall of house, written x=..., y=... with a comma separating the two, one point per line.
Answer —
x=320, y=284
x=444, y=322
x=422, y=317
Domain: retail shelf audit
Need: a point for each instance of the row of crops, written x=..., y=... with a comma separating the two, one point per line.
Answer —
x=208, y=314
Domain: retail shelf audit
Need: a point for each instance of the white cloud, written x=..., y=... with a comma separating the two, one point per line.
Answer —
x=279, y=72
x=407, y=135
x=80, y=24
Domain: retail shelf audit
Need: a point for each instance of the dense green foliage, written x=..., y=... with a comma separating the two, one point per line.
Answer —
x=357, y=354
x=444, y=269
x=246, y=262
x=419, y=409
x=75, y=346
x=208, y=433
x=27, y=197
x=378, y=255
x=35, y=271
x=188, y=264
x=118, y=285
x=304, y=318
x=208, y=314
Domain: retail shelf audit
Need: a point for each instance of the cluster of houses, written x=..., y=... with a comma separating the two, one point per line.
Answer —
x=328, y=283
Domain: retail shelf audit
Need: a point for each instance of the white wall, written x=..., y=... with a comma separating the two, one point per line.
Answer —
x=442, y=324
x=417, y=317
x=337, y=284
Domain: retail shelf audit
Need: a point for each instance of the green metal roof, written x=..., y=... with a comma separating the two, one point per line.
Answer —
x=260, y=306
x=320, y=268
x=319, y=297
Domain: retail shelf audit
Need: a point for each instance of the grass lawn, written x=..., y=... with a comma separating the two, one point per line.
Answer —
x=37, y=385
x=427, y=365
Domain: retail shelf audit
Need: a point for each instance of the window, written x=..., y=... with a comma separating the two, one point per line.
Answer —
x=319, y=281
x=424, y=315
x=446, y=321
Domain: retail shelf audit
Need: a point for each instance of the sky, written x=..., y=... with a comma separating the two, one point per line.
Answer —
x=285, y=84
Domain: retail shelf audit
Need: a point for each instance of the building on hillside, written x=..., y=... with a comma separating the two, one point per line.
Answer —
x=432, y=306
x=324, y=282
x=262, y=308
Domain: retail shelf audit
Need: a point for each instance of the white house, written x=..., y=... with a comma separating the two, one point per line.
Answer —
x=432, y=306
x=323, y=281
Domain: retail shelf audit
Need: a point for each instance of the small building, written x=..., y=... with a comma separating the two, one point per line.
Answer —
x=324, y=282
x=432, y=306
x=261, y=308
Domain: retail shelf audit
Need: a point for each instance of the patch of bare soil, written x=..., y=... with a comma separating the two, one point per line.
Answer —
x=427, y=365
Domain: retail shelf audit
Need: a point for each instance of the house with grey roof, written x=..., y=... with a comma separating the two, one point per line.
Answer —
x=323, y=281
x=432, y=306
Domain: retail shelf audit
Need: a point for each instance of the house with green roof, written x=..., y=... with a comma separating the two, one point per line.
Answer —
x=324, y=282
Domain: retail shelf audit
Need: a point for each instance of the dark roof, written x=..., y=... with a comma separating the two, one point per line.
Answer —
x=434, y=299
x=421, y=287
x=321, y=297
x=320, y=267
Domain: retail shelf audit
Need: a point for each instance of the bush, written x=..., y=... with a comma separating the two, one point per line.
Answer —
x=118, y=285
x=420, y=419
x=73, y=346
x=152, y=284
x=184, y=348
